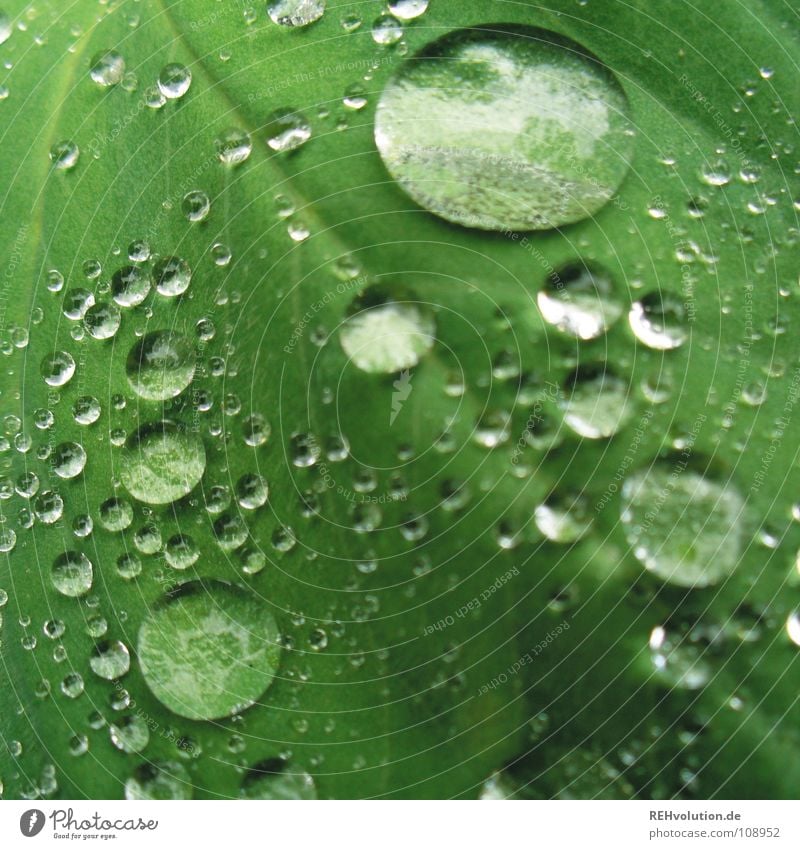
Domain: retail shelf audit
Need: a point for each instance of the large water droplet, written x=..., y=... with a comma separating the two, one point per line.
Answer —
x=295, y=13
x=596, y=402
x=386, y=335
x=107, y=68
x=275, y=779
x=512, y=128
x=174, y=80
x=161, y=365
x=657, y=320
x=683, y=526
x=209, y=650
x=579, y=301
x=72, y=574
x=162, y=463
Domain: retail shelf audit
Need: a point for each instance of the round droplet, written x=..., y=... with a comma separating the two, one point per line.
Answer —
x=678, y=662
x=130, y=286
x=72, y=574
x=563, y=518
x=68, y=460
x=174, y=81
x=276, y=779
x=107, y=68
x=385, y=335
x=596, y=403
x=252, y=491
x=407, y=10
x=159, y=781
x=287, y=130
x=58, y=368
x=181, y=552
x=295, y=13
x=64, y=155
x=657, y=321
x=86, y=410
x=116, y=514
x=161, y=365
x=102, y=321
x=579, y=301
x=110, y=660
x=172, y=276
x=196, y=205
x=508, y=128
x=130, y=734
x=684, y=527
x=209, y=650
x=233, y=147
x=162, y=463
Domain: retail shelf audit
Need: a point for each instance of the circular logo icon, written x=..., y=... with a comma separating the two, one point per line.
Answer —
x=31, y=822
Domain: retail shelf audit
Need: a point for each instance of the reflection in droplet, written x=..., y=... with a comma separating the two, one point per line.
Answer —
x=505, y=128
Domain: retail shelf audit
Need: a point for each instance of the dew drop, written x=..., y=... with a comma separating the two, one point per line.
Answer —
x=159, y=781
x=107, y=68
x=68, y=460
x=64, y=155
x=275, y=779
x=657, y=321
x=287, y=130
x=596, y=404
x=72, y=574
x=407, y=10
x=162, y=463
x=512, y=128
x=209, y=650
x=172, y=276
x=161, y=365
x=295, y=13
x=233, y=147
x=130, y=285
x=110, y=660
x=174, y=81
x=196, y=206
x=579, y=301
x=385, y=335
x=682, y=526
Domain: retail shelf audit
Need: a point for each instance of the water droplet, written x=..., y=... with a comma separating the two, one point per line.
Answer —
x=48, y=507
x=295, y=13
x=579, y=301
x=68, y=460
x=657, y=320
x=287, y=130
x=233, y=147
x=385, y=335
x=130, y=734
x=172, y=276
x=64, y=155
x=110, y=660
x=252, y=491
x=596, y=404
x=563, y=518
x=72, y=685
x=793, y=627
x=162, y=463
x=196, y=205
x=275, y=779
x=5, y=28
x=407, y=10
x=181, y=552
x=161, y=365
x=116, y=515
x=677, y=661
x=72, y=574
x=209, y=650
x=130, y=286
x=107, y=68
x=508, y=129
x=159, y=781
x=682, y=526
x=174, y=81
x=387, y=30
x=102, y=321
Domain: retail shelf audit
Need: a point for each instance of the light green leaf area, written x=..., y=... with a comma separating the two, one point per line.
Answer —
x=415, y=585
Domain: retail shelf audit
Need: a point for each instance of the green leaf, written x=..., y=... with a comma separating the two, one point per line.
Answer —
x=434, y=630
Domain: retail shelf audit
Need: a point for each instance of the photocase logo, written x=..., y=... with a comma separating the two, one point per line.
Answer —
x=31, y=822
x=402, y=389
